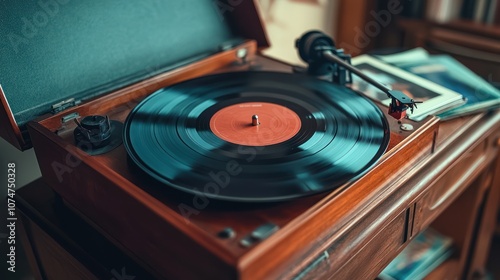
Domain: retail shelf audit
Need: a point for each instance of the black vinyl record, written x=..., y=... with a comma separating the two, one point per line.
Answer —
x=333, y=135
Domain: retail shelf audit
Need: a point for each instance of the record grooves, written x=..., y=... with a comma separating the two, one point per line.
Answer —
x=335, y=138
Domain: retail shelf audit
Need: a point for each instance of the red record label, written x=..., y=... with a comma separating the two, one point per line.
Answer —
x=255, y=124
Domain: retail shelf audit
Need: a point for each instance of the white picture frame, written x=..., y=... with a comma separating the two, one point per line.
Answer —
x=436, y=98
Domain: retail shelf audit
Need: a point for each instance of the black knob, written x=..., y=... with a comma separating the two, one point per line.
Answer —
x=226, y=233
x=93, y=130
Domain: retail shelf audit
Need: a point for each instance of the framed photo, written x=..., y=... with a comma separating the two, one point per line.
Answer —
x=435, y=98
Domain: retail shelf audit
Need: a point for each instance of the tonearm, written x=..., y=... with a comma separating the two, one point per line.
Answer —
x=318, y=50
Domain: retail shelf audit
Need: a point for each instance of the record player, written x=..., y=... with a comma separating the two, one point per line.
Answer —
x=220, y=204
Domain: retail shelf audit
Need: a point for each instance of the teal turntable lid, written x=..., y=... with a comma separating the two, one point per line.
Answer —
x=53, y=50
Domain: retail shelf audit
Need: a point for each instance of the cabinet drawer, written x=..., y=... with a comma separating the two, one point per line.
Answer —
x=452, y=183
x=340, y=261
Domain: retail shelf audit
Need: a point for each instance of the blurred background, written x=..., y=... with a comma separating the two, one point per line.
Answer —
x=467, y=29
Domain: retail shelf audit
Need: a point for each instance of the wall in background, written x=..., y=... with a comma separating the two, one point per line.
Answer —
x=287, y=20
x=26, y=164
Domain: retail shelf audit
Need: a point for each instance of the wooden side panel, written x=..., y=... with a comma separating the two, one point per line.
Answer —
x=488, y=220
x=8, y=126
x=31, y=254
x=57, y=263
x=246, y=18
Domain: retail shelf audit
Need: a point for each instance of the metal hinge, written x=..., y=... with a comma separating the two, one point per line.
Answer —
x=65, y=104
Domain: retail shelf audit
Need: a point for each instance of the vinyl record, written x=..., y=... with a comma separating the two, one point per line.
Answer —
x=200, y=136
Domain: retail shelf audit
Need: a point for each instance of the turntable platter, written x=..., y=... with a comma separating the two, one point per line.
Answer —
x=255, y=136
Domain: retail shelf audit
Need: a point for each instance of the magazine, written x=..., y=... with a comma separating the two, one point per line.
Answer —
x=448, y=72
x=435, y=98
x=422, y=255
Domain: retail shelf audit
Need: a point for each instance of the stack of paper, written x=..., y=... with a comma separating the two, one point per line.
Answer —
x=444, y=70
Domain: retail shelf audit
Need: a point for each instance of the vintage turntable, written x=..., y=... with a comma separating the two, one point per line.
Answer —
x=187, y=194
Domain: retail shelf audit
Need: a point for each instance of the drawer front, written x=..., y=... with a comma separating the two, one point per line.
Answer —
x=377, y=253
x=453, y=182
x=341, y=261
x=54, y=260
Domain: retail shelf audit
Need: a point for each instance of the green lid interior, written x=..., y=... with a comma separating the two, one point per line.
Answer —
x=52, y=50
